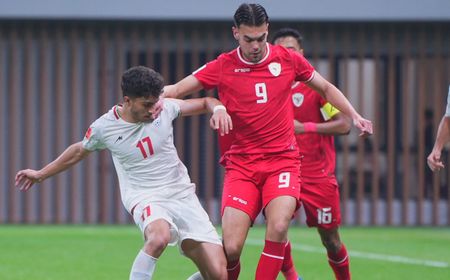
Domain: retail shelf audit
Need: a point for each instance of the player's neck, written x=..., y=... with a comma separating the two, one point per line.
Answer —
x=124, y=114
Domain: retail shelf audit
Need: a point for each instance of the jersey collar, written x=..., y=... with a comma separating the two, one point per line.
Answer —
x=253, y=63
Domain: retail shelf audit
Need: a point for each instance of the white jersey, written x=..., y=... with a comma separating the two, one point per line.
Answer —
x=144, y=155
x=447, y=111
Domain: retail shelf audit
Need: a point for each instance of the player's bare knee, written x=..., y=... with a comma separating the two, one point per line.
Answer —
x=331, y=244
x=232, y=250
x=277, y=230
x=156, y=243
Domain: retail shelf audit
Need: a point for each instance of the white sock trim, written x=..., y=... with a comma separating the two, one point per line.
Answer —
x=338, y=262
x=272, y=256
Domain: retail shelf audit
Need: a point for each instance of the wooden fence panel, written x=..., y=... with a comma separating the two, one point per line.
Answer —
x=57, y=77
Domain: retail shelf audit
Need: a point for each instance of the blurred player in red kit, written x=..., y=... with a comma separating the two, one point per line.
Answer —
x=315, y=122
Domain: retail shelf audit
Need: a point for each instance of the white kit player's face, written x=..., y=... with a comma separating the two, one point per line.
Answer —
x=252, y=40
x=142, y=109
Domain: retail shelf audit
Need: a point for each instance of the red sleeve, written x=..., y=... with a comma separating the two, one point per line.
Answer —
x=209, y=74
x=304, y=71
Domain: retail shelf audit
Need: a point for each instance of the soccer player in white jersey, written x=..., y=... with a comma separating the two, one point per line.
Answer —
x=443, y=136
x=154, y=184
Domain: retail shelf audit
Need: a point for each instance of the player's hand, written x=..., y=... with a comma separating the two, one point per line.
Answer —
x=365, y=126
x=434, y=161
x=158, y=107
x=25, y=179
x=298, y=127
x=222, y=121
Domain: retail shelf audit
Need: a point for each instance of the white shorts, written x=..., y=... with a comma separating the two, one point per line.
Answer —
x=186, y=216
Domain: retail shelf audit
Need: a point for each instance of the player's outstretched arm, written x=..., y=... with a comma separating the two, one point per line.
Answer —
x=338, y=100
x=338, y=125
x=26, y=178
x=186, y=86
x=442, y=137
x=219, y=119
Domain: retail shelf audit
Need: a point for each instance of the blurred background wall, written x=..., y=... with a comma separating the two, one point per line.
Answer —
x=61, y=62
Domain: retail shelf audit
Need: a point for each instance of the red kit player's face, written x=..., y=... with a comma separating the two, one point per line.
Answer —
x=252, y=40
x=289, y=42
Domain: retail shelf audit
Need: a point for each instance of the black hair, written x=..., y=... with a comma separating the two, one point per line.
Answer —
x=141, y=81
x=250, y=15
x=288, y=32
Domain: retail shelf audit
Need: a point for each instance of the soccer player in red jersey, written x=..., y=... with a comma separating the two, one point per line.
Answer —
x=315, y=122
x=262, y=162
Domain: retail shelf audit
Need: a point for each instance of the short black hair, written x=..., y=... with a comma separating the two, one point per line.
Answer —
x=288, y=32
x=141, y=81
x=250, y=15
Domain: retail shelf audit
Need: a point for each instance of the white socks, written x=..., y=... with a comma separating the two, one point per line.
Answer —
x=143, y=267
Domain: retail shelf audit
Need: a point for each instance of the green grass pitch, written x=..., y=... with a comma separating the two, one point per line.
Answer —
x=107, y=252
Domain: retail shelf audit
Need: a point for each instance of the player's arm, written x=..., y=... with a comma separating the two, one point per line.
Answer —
x=338, y=100
x=72, y=155
x=186, y=86
x=339, y=124
x=219, y=119
x=442, y=137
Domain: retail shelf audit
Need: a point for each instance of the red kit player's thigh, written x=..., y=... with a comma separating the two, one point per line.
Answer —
x=321, y=204
x=241, y=193
x=282, y=179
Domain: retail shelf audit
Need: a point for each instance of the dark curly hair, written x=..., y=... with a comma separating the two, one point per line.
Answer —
x=250, y=15
x=288, y=32
x=141, y=81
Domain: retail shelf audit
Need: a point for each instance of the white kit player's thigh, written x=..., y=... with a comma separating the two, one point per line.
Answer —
x=147, y=211
x=193, y=222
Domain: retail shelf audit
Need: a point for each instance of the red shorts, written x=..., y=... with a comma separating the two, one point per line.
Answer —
x=321, y=203
x=252, y=181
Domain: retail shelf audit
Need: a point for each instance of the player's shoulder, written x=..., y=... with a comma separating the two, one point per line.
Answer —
x=171, y=108
x=110, y=117
x=170, y=103
x=280, y=51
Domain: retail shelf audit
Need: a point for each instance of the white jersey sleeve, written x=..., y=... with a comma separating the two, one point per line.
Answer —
x=447, y=111
x=172, y=108
x=92, y=140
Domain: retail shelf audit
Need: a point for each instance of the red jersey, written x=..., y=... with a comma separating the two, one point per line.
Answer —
x=257, y=97
x=317, y=151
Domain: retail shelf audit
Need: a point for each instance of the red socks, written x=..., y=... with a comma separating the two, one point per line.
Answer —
x=233, y=268
x=340, y=264
x=288, y=268
x=271, y=260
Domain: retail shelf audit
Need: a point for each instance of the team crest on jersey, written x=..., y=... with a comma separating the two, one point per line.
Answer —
x=157, y=122
x=275, y=68
x=297, y=99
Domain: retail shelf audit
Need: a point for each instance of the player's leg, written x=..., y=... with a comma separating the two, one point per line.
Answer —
x=157, y=236
x=280, y=196
x=278, y=216
x=337, y=253
x=322, y=207
x=288, y=267
x=199, y=239
x=208, y=257
x=155, y=224
x=241, y=203
x=235, y=226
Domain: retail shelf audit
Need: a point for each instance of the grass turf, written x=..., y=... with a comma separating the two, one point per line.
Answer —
x=107, y=252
